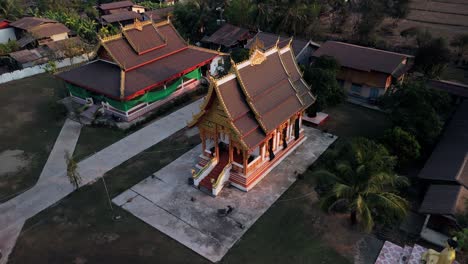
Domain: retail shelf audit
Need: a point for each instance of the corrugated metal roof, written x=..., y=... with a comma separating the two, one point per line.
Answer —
x=362, y=58
x=121, y=16
x=27, y=23
x=448, y=161
x=444, y=200
x=228, y=35
x=114, y=5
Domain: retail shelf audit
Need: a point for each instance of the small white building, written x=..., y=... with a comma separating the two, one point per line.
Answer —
x=7, y=33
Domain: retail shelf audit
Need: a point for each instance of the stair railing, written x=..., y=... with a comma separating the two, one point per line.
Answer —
x=198, y=177
x=222, y=178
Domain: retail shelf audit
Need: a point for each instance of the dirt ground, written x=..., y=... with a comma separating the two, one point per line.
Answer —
x=27, y=131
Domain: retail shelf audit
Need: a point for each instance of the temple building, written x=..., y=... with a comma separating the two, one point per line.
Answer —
x=138, y=70
x=250, y=120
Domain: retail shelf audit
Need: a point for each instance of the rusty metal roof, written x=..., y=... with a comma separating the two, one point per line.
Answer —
x=27, y=23
x=228, y=35
x=115, y=5
x=120, y=16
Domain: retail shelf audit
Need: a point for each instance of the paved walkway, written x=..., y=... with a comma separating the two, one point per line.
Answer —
x=189, y=216
x=56, y=186
x=56, y=163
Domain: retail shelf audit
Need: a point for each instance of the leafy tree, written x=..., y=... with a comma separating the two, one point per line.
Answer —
x=402, y=144
x=371, y=17
x=433, y=57
x=10, y=9
x=84, y=27
x=460, y=42
x=108, y=30
x=364, y=182
x=321, y=76
x=239, y=55
x=195, y=18
x=241, y=12
x=418, y=110
x=9, y=47
x=462, y=237
x=410, y=32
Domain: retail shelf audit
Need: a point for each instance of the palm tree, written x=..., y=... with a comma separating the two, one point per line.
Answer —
x=365, y=183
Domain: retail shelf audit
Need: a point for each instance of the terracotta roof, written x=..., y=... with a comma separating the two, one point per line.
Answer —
x=449, y=160
x=260, y=95
x=444, y=200
x=48, y=30
x=27, y=23
x=144, y=40
x=127, y=57
x=114, y=5
x=159, y=14
x=269, y=40
x=455, y=88
x=120, y=16
x=143, y=72
x=362, y=58
x=228, y=35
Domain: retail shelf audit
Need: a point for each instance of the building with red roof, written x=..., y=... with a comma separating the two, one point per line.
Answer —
x=139, y=69
x=250, y=120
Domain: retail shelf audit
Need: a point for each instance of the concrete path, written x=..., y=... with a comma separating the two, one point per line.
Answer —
x=189, y=216
x=56, y=163
x=56, y=186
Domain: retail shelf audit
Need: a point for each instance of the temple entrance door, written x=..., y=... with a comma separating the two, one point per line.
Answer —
x=296, y=129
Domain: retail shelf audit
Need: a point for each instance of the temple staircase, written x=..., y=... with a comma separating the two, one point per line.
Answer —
x=206, y=184
x=394, y=254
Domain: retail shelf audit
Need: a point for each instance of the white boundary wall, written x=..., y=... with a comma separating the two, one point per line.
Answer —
x=30, y=71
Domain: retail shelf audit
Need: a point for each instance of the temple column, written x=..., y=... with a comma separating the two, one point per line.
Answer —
x=202, y=135
x=216, y=141
x=262, y=151
x=245, y=161
x=231, y=151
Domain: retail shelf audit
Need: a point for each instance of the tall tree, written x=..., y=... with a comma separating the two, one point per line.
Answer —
x=418, y=110
x=363, y=180
x=10, y=9
x=321, y=77
x=433, y=57
x=402, y=144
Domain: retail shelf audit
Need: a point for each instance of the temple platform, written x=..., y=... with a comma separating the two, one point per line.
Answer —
x=167, y=202
x=319, y=119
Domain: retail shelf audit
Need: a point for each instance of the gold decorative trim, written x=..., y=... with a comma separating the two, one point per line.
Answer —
x=110, y=38
x=122, y=84
x=257, y=58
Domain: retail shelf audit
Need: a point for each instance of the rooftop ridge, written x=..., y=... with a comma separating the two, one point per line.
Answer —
x=136, y=24
x=369, y=48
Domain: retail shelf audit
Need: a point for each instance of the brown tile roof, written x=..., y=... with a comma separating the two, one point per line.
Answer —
x=159, y=14
x=27, y=23
x=120, y=16
x=362, y=58
x=449, y=160
x=444, y=200
x=144, y=40
x=148, y=71
x=114, y=5
x=260, y=97
x=48, y=30
x=228, y=35
x=127, y=57
x=269, y=40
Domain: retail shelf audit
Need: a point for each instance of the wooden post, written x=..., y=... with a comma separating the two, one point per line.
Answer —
x=231, y=151
x=245, y=161
x=202, y=135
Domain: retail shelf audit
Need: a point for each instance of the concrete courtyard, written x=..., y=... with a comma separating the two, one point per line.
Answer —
x=166, y=201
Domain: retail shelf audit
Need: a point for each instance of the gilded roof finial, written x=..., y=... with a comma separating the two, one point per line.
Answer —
x=257, y=44
x=277, y=42
x=290, y=41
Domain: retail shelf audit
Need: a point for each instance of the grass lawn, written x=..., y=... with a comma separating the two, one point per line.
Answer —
x=80, y=228
x=29, y=125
